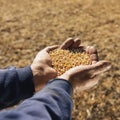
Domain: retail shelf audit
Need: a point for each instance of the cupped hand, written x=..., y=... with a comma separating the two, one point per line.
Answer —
x=42, y=68
x=86, y=76
x=76, y=43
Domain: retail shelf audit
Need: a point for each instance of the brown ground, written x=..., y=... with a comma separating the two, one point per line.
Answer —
x=27, y=26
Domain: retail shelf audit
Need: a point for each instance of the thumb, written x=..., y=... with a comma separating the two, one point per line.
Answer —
x=99, y=67
x=50, y=48
x=52, y=72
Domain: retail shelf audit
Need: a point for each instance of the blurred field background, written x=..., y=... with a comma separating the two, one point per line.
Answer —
x=27, y=26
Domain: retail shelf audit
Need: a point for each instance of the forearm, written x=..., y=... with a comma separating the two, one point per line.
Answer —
x=15, y=84
x=52, y=102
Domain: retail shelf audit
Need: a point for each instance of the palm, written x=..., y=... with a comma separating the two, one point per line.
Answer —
x=86, y=76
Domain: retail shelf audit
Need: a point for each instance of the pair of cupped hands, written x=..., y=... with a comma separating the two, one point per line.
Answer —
x=83, y=76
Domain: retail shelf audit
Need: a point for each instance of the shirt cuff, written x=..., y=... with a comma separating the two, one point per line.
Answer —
x=26, y=79
x=62, y=83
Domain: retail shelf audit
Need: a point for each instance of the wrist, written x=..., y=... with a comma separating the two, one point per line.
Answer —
x=38, y=71
x=66, y=77
x=25, y=77
x=61, y=83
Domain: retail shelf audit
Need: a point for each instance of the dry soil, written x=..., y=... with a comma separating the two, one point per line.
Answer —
x=27, y=26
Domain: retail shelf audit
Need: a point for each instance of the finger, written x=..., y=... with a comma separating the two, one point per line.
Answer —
x=52, y=72
x=76, y=43
x=87, y=49
x=93, y=53
x=93, y=62
x=91, y=50
x=81, y=48
x=94, y=58
x=67, y=43
x=50, y=48
x=99, y=67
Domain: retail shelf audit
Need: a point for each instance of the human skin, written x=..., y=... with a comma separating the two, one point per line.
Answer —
x=42, y=65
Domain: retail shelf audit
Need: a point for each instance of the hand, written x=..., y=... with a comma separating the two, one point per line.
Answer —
x=76, y=43
x=85, y=76
x=42, y=68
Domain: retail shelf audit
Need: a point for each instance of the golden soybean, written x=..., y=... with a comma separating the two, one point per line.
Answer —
x=63, y=60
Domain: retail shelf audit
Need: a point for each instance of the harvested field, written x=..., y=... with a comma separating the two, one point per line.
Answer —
x=28, y=26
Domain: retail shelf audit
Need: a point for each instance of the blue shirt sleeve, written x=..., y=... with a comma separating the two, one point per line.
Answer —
x=15, y=84
x=53, y=102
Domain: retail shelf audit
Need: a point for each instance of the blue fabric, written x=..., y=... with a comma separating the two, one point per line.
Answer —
x=53, y=102
x=15, y=85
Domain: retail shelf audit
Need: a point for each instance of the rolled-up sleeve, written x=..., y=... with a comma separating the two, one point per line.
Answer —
x=53, y=102
x=15, y=84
